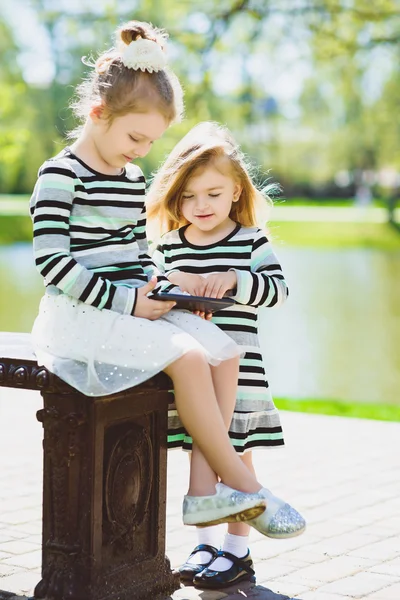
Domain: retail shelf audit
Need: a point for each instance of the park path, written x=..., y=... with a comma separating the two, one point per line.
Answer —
x=343, y=474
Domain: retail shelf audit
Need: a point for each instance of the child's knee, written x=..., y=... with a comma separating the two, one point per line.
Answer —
x=193, y=361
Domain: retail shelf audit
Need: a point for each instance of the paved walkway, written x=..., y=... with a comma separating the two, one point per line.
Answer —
x=343, y=474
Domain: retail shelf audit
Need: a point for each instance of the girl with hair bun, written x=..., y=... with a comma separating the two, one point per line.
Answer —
x=99, y=327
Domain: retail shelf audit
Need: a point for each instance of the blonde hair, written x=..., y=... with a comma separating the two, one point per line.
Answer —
x=206, y=144
x=122, y=90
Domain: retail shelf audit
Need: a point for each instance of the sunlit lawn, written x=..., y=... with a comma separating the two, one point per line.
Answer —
x=341, y=408
x=381, y=236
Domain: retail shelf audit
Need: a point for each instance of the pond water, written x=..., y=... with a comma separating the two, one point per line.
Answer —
x=338, y=336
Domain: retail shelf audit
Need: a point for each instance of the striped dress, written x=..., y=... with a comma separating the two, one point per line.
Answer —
x=89, y=232
x=90, y=247
x=256, y=421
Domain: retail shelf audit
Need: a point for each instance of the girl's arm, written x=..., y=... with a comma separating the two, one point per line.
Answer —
x=264, y=284
x=51, y=206
x=151, y=267
x=187, y=282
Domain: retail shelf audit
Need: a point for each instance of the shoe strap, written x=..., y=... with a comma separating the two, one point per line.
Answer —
x=239, y=562
x=205, y=548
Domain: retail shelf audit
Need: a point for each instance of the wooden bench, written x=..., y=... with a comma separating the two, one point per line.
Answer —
x=104, y=487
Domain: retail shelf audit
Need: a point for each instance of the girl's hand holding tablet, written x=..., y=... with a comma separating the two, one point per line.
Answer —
x=148, y=308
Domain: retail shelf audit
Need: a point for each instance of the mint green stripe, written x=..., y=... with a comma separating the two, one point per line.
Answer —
x=72, y=276
x=257, y=437
x=56, y=185
x=250, y=395
x=49, y=223
x=115, y=184
x=236, y=321
x=250, y=362
x=97, y=219
x=176, y=438
x=183, y=250
x=46, y=262
x=110, y=268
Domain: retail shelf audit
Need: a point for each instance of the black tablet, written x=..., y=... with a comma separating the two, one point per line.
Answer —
x=196, y=302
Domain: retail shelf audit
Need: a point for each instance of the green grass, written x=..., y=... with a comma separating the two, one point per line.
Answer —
x=341, y=408
x=304, y=201
x=381, y=236
x=15, y=229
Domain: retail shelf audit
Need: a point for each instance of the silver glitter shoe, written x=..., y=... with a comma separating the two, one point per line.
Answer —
x=225, y=506
x=280, y=520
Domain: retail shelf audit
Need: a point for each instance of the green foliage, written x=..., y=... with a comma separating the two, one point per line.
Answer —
x=230, y=56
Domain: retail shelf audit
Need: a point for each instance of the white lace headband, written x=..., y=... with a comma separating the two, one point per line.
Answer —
x=145, y=55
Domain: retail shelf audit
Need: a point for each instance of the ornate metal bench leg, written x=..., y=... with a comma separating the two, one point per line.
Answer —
x=104, y=497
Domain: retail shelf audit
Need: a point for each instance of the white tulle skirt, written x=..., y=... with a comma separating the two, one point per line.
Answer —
x=102, y=352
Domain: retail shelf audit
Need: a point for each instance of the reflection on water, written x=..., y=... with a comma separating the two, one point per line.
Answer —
x=338, y=336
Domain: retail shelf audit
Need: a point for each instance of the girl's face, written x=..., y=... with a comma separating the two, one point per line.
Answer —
x=128, y=137
x=207, y=199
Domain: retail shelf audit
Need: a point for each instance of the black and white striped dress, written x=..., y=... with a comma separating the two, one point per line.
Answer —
x=256, y=421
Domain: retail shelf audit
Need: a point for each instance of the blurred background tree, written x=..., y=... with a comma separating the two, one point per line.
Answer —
x=310, y=88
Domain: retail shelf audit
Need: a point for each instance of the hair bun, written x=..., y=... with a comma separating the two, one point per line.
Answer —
x=133, y=30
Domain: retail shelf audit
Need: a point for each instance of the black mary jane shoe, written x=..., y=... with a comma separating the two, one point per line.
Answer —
x=242, y=569
x=188, y=570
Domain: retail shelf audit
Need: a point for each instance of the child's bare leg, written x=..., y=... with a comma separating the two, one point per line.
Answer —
x=225, y=380
x=243, y=528
x=202, y=476
x=200, y=414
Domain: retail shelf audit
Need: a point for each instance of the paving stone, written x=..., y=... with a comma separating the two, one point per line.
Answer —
x=316, y=595
x=303, y=557
x=383, y=550
x=391, y=567
x=391, y=592
x=359, y=585
x=21, y=582
x=30, y=560
x=19, y=517
x=6, y=570
x=268, y=569
x=191, y=593
x=331, y=570
x=4, y=555
x=285, y=587
x=31, y=527
x=19, y=547
x=7, y=535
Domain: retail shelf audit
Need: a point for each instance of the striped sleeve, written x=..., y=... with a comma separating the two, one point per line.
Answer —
x=158, y=258
x=51, y=206
x=264, y=284
x=150, y=267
